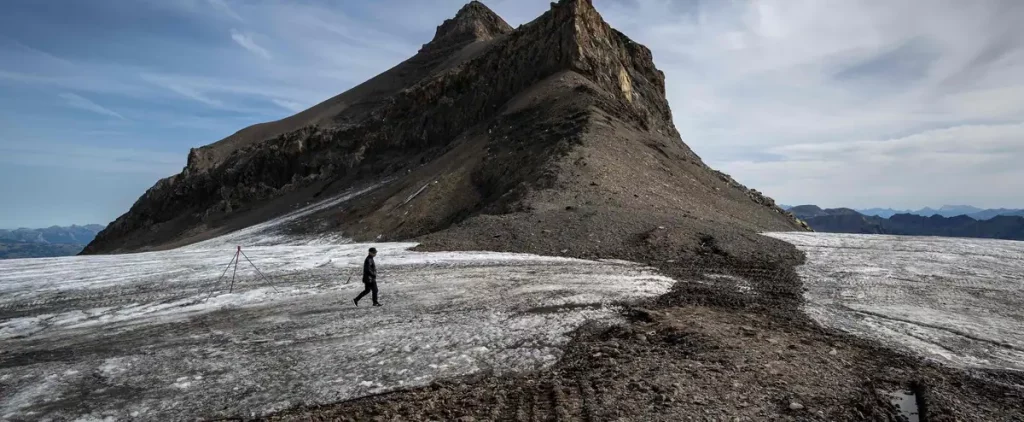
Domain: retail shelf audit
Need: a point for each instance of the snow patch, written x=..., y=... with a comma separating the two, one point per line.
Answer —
x=182, y=383
x=740, y=284
x=113, y=367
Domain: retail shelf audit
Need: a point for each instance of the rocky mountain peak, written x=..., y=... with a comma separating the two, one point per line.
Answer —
x=473, y=22
x=487, y=120
x=591, y=47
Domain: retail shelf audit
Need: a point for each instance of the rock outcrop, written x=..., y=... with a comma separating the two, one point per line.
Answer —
x=487, y=133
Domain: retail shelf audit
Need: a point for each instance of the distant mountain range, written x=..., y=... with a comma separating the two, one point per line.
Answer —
x=47, y=242
x=845, y=220
x=945, y=211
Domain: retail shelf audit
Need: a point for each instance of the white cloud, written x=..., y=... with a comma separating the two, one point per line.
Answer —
x=246, y=41
x=978, y=163
x=844, y=102
x=79, y=102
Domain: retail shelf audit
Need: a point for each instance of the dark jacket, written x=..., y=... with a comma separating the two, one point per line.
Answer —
x=369, y=270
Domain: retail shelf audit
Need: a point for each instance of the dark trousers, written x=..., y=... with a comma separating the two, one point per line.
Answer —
x=371, y=287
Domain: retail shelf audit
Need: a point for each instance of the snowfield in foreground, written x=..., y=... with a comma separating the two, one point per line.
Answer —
x=958, y=301
x=135, y=337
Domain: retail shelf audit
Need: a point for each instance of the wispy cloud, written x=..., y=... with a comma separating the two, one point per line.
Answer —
x=289, y=105
x=242, y=96
x=26, y=66
x=246, y=41
x=79, y=102
x=224, y=8
x=101, y=159
x=774, y=78
x=322, y=51
x=980, y=163
x=182, y=89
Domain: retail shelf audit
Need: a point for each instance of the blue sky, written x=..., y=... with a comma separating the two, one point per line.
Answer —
x=840, y=103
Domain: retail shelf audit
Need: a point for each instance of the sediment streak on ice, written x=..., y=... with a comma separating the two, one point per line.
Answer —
x=135, y=333
x=958, y=301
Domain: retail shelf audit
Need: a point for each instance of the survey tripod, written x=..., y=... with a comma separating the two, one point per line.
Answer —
x=234, y=263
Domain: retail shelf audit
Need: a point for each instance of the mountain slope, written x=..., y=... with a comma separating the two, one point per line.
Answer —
x=991, y=213
x=807, y=211
x=555, y=137
x=880, y=212
x=955, y=210
x=470, y=30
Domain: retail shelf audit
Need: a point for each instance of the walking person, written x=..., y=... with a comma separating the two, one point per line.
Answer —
x=369, y=278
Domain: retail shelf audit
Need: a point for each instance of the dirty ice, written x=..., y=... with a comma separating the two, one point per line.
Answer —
x=957, y=301
x=158, y=335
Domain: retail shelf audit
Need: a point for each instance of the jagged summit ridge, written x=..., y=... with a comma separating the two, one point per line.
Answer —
x=473, y=22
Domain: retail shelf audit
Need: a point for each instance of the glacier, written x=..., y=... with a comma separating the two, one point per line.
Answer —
x=956, y=301
x=162, y=335
x=159, y=336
